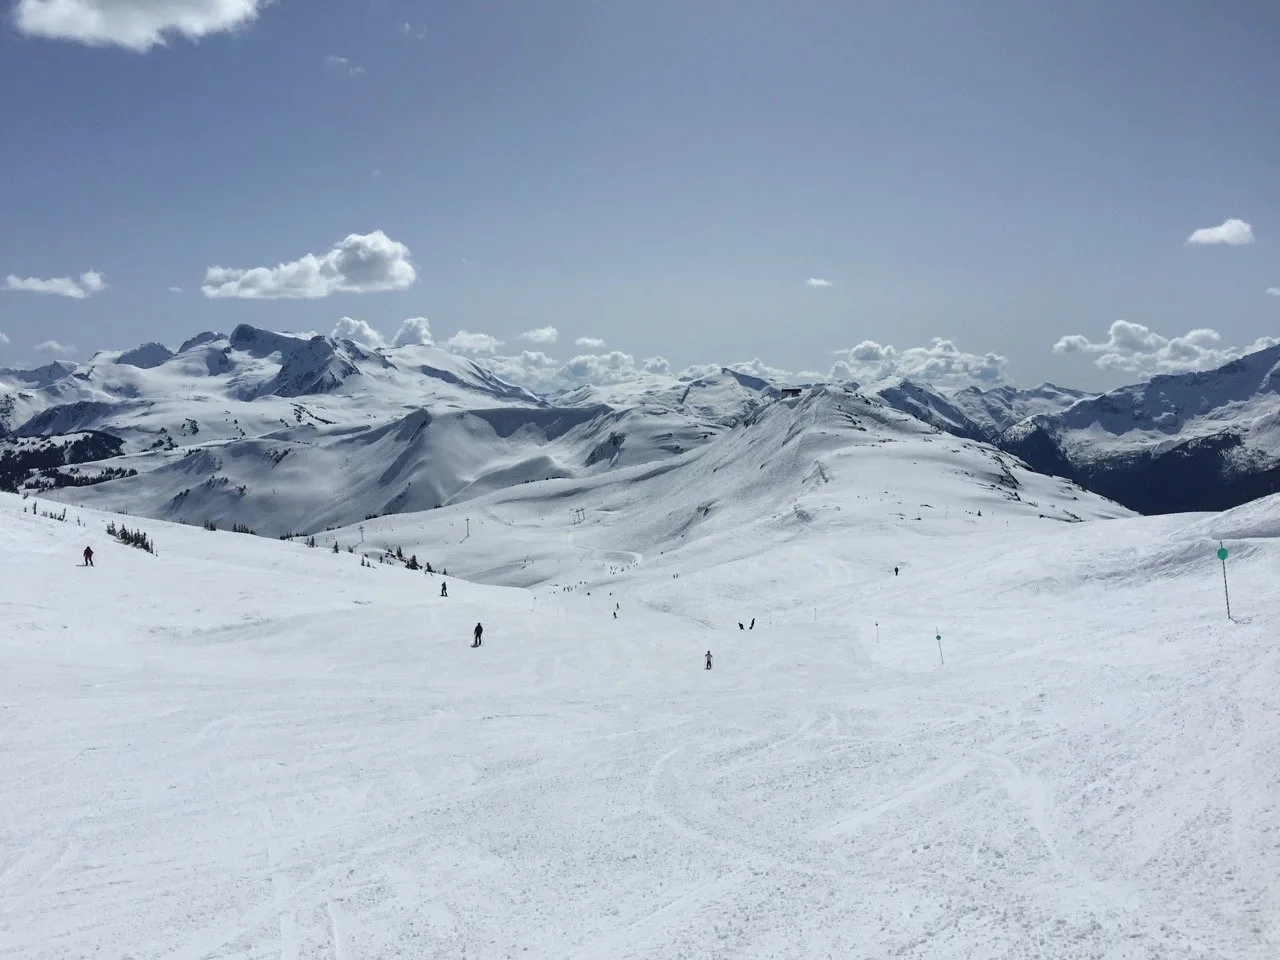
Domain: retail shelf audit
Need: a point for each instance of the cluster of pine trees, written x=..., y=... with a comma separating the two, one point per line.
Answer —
x=134, y=538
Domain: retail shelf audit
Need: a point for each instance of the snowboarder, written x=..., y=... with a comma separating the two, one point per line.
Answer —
x=708, y=659
x=478, y=632
x=615, y=614
x=444, y=589
x=753, y=624
x=88, y=556
x=895, y=571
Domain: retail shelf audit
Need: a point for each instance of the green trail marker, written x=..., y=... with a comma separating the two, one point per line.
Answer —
x=1222, y=555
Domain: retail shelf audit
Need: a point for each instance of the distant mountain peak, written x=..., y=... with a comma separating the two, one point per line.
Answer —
x=146, y=356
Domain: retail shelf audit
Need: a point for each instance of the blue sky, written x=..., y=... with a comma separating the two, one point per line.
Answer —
x=664, y=177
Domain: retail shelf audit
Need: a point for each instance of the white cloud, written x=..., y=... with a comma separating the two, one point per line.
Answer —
x=590, y=343
x=175, y=289
x=1134, y=348
x=3, y=339
x=1274, y=291
x=414, y=332
x=817, y=282
x=136, y=25
x=407, y=30
x=531, y=369
x=541, y=373
x=89, y=283
x=56, y=349
x=361, y=263
x=541, y=335
x=754, y=368
x=466, y=342
x=342, y=65
x=358, y=331
x=941, y=362
x=1232, y=232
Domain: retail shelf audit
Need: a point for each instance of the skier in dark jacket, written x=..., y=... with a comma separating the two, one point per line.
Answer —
x=88, y=556
x=478, y=632
x=708, y=659
x=444, y=589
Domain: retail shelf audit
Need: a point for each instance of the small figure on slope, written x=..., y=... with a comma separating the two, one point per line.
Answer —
x=478, y=632
x=708, y=659
x=444, y=589
x=88, y=556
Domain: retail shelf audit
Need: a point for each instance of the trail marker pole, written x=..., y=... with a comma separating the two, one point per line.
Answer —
x=938, y=637
x=1222, y=555
x=877, y=633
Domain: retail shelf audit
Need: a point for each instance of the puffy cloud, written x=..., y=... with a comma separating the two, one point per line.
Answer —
x=89, y=283
x=599, y=368
x=136, y=25
x=56, y=349
x=467, y=342
x=414, y=332
x=546, y=334
x=590, y=343
x=358, y=331
x=361, y=263
x=1232, y=232
x=1135, y=348
x=1274, y=291
x=343, y=66
x=817, y=282
x=541, y=373
x=531, y=369
x=942, y=362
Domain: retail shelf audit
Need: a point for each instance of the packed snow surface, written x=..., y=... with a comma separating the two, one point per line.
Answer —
x=245, y=748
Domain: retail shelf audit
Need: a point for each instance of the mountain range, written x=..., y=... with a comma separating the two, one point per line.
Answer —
x=287, y=433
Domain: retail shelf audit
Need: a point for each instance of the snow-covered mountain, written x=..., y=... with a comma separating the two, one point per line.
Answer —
x=1193, y=441
x=288, y=433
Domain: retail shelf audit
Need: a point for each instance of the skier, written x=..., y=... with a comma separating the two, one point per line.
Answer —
x=444, y=589
x=895, y=571
x=88, y=556
x=477, y=633
x=615, y=614
x=740, y=626
x=708, y=659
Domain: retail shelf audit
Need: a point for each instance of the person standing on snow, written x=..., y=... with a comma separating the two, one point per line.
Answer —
x=88, y=556
x=477, y=633
x=444, y=589
x=708, y=659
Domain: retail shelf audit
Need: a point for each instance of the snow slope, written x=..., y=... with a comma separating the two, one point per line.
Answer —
x=244, y=748
x=324, y=477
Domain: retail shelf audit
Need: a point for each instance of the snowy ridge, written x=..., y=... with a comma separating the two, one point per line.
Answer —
x=313, y=477
x=1183, y=442
x=1176, y=443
